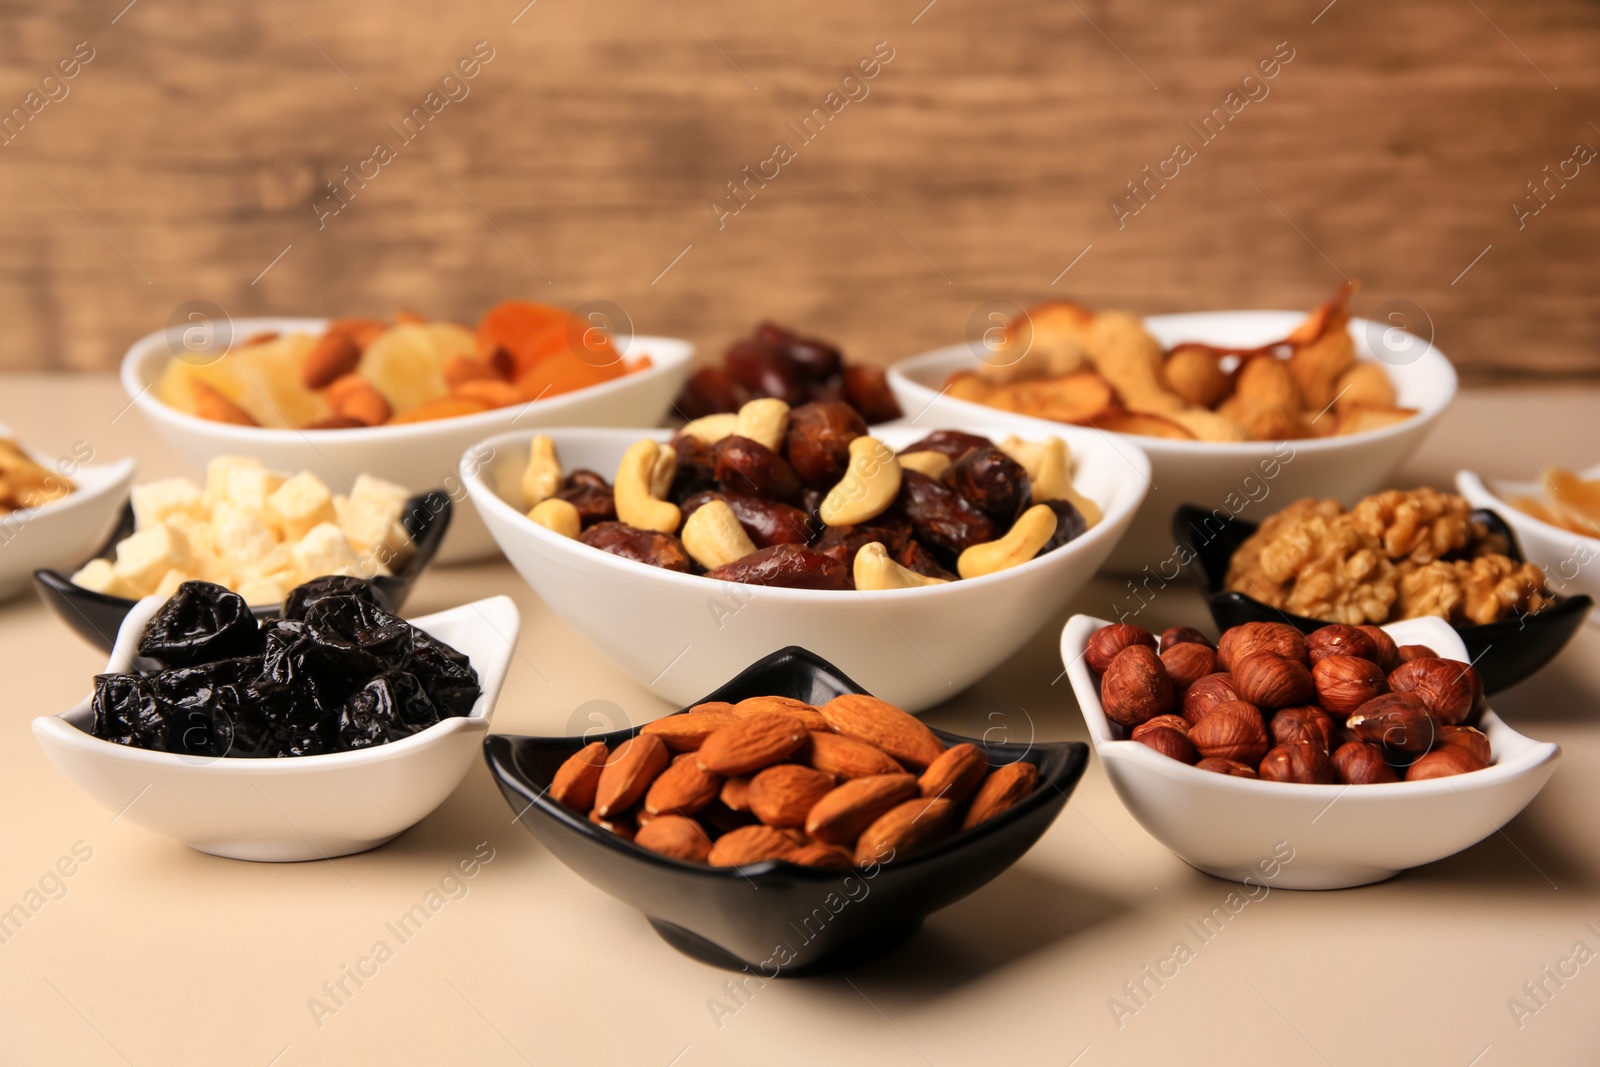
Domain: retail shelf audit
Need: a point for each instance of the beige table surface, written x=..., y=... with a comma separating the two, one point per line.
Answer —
x=156, y=954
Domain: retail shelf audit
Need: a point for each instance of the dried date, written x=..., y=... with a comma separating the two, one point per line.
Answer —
x=1070, y=524
x=894, y=532
x=992, y=482
x=642, y=546
x=818, y=444
x=943, y=520
x=697, y=468
x=787, y=566
x=952, y=443
x=915, y=557
x=867, y=390
x=766, y=521
x=751, y=468
x=818, y=359
x=590, y=493
x=766, y=371
x=710, y=391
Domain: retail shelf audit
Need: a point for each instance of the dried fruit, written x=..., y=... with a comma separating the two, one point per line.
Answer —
x=578, y=776
x=752, y=743
x=1004, y=788
x=877, y=722
x=628, y=774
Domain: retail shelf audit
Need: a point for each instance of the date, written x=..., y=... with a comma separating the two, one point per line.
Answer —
x=788, y=566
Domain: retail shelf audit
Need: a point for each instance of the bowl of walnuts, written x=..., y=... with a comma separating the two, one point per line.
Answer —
x=1366, y=750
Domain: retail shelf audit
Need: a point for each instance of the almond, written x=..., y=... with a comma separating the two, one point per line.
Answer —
x=212, y=405
x=906, y=829
x=816, y=854
x=956, y=774
x=846, y=758
x=880, y=723
x=751, y=744
x=688, y=730
x=786, y=705
x=736, y=792
x=355, y=398
x=628, y=773
x=576, y=778
x=751, y=844
x=675, y=836
x=1001, y=791
x=781, y=796
x=683, y=788
x=839, y=817
x=719, y=818
x=623, y=827
x=333, y=356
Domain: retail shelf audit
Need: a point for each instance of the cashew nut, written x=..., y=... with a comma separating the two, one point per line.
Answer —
x=1029, y=534
x=869, y=486
x=713, y=536
x=542, y=478
x=933, y=464
x=764, y=421
x=1049, y=468
x=875, y=570
x=643, y=478
x=558, y=515
x=712, y=428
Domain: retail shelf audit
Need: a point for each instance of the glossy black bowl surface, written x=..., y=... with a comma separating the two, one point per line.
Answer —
x=97, y=617
x=1505, y=652
x=777, y=919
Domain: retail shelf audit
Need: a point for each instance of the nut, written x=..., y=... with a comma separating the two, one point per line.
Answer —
x=714, y=537
x=541, y=479
x=869, y=486
x=1308, y=724
x=628, y=773
x=956, y=774
x=767, y=705
x=816, y=854
x=1168, y=742
x=1184, y=635
x=334, y=355
x=1267, y=680
x=1001, y=791
x=1443, y=685
x=675, y=836
x=1231, y=730
x=211, y=404
x=712, y=428
x=1188, y=662
x=765, y=421
x=1279, y=638
x=751, y=744
x=576, y=779
x=782, y=796
x=353, y=397
x=877, y=722
x=1407, y=653
x=683, y=788
x=1361, y=763
x=1106, y=642
x=1339, y=640
x=751, y=844
x=1473, y=740
x=1205, y=694
x=1387, y=653
x=1443, y=762
x=1344, y=683
x=643, y=479
x=1020, y=544
x=1217, y=765
x=559, y=516
x=874, y=570
x=735, y=793
x=1301, y=761
x=1135, y=687
x=1396, y=720
x=840, y=816
x=933, y=464
x=846, y=758
x=689, y=730
x=905, y=830
x=1176, y=722
x=1049, y=467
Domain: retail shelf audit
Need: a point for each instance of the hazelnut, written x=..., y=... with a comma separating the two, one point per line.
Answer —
x=1205, y=694
x=1168, y=742
x=1231, y=730
x=1188, y=663
x=1301, y=762
x=1135, y=686
x=1226, y=766
x=1267, y=680
x=1397, y=720
x=1176, y=722
x=1359, y=763
x=1279, y=638
x=1307, y=723
x=1443, y=762
x=1344, y=683
x=1388, y=653
x=1407, y=653
x=1184, y=635
x=1106, y=642
x=1441, y=684
x=1338, y=640
x=1467, y=737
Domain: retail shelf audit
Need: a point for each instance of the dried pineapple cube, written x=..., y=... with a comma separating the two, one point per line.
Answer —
x=144, y=557
x=156, y=502
x=323, y=550
x=299, y=504
x=98, y=576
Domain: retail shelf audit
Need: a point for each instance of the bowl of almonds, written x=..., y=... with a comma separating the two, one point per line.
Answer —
x=789, y=823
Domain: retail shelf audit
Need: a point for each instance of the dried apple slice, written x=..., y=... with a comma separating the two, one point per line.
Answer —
x=1143, y=424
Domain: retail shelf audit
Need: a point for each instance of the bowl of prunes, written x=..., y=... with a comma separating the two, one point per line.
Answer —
x=324, y=731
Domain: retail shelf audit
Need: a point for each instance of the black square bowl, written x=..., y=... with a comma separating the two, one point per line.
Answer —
x=775, y=918
x=1504, y=652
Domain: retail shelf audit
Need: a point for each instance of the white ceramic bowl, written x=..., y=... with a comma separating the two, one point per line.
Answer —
x=63, y=534
x=683, y=635
x=1570, y=561
x=294, y=808
x=1339, y=835
x=420, y=456
x=1252, y=478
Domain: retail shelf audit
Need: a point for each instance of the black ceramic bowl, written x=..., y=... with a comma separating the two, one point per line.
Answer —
x=97, y=617
x=1504, y=652
x=775, y=918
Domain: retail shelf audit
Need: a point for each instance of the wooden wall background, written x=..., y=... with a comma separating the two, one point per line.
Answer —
x=186, y=155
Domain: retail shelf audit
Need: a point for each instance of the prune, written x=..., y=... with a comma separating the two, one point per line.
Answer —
x=751, y=468
x=354, y=637
x=867, y=390
x=697, y=468
x=1069, y=524
x=788, y=566
x=710, y=391
x=952, y=443
x=766, y=371
x=915, y=557
x=766, y=521
x=199, y=623
x=843, y=542
x=943, y=519
x=127, y=712
x=285, y=722
x=590, y=493
x=205, y=702
x=644, y=546
x=818, y=444
x=992, y=481
x=389, y=707
x=446, y=675
x=301, y=596
x=290, y=660
x=818, y=359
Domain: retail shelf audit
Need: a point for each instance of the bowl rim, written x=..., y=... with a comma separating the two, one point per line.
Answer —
x=60, y=727
x=110, y=479
x=1470, y=483
x=1075, y=764
x=139, y=375
x=1526, y=756
x=899, y=374
x=1124, y=504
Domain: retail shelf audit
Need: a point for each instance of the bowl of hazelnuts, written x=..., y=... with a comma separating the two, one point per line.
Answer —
x=1367, y=750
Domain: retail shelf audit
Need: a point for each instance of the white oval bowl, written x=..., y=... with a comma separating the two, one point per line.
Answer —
x=1214, y=475
x=421, y=455
x=1341, y=835
x=63, y=534
x=683, y=635
x=1570, y=561
x=293, y=808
